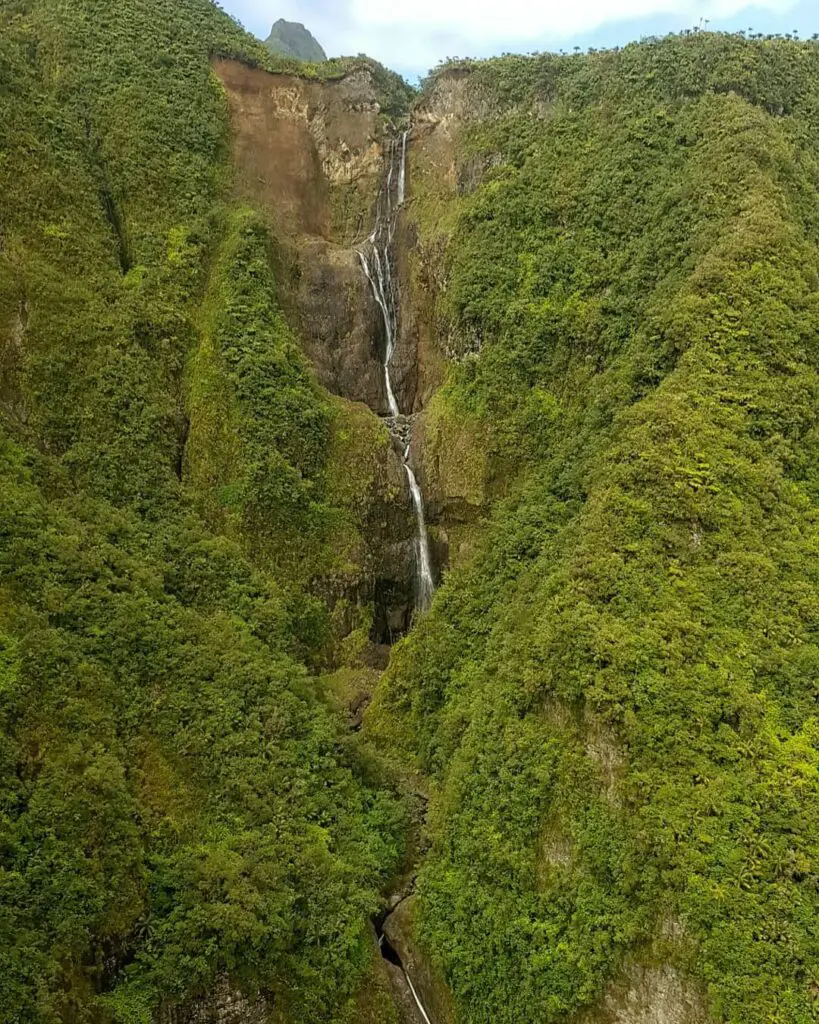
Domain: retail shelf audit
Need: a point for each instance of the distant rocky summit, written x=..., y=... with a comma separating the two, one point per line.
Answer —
x=291, y=39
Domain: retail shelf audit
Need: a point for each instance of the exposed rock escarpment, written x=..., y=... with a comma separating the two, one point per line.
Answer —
x=650, y=995
x=309, y=155
x=224, y=1005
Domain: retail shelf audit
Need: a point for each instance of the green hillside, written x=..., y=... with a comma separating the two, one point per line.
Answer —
x=176, y=803
x=615, y=700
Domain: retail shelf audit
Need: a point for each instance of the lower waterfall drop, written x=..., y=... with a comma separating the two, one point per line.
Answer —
x=378, y=268
x=426, y=584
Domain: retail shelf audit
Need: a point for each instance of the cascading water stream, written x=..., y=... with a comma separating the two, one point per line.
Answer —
x=390, y=954
x=402, y=173
x=377, y=265
x=377, y=283
x=417, y=999
x=426, y=583
x=377, y=262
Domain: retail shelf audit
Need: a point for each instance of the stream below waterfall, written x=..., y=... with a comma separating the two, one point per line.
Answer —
x=391, y=956
x=378, y=264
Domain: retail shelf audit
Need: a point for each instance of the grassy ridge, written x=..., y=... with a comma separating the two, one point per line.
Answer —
x=616, y=700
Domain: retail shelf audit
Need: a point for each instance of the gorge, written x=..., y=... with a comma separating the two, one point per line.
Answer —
x=288, y=348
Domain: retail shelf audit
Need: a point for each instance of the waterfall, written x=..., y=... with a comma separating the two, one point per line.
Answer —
x=377, y=266
x=377, y=262
x=426, y=584
x=402, y=173
x=418, y=1002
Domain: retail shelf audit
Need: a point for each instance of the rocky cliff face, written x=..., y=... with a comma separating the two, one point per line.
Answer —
x=650, y=995
x=223, y=1006
x=310, y=155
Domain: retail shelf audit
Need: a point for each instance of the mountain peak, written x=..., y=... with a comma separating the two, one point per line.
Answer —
x=292, y=39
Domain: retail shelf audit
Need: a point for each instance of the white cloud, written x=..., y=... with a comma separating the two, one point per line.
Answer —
x=418, y=33
x=485, y=19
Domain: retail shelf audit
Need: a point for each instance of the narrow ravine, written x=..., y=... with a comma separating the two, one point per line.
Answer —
x=378, y=262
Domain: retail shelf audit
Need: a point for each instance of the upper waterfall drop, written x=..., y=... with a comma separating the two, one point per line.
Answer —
x=381, y=286
x=402, y=174
x=377, y=264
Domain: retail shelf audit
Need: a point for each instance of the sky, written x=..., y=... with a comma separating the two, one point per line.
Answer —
x=412, y=36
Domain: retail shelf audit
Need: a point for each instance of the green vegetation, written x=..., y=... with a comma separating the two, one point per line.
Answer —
x=260, y=433
x=616, y=700
x=175, y=803
x=178, y=803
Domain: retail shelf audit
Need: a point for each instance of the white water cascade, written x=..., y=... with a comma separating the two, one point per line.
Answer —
x=417, y=999
x=426, y=583
x=377, y=262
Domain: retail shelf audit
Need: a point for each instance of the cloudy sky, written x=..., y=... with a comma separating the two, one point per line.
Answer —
x=412, y=36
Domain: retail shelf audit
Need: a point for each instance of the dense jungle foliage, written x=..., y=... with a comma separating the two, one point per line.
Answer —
x=616, y=699
x=176, y=802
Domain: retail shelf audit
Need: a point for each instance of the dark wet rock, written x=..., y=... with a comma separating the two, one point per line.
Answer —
x=400, y=932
